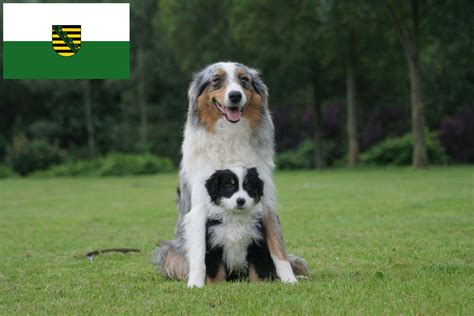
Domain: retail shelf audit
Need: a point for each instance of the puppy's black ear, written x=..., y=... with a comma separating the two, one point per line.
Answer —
x=253, y=177
x=213, y=186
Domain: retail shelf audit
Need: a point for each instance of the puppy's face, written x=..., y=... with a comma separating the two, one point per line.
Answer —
x=236, y=189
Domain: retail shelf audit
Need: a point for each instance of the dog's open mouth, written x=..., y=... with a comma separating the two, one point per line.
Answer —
x=232, y=114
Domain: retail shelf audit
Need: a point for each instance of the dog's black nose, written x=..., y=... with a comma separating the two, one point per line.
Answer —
x=240, y=201
x=235, y=96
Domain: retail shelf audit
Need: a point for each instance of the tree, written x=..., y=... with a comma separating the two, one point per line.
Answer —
x=143, y=30
x=407, y=22
x=283, y=38
x=342, y=22
x=88, y=118
x=346, y=26
x=351, y=100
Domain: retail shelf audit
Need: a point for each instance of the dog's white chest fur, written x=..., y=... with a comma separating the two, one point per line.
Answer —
x=235, y=234
x=228, y=146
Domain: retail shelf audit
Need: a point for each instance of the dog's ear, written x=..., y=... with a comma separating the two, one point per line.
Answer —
x=213, y=186
x=258, y=85
x=197, y=87
x=253, y=177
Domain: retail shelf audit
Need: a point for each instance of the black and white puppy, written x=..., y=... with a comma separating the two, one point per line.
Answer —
x=235, y=239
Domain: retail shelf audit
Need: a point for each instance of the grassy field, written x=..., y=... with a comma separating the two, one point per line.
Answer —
x=391, y=241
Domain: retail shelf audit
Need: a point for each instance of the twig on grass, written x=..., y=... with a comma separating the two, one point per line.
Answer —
x=90, y=255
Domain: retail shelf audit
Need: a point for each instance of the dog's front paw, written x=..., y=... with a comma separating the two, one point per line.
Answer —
x=197, y=277
x=284, y=271
x=196, y=281
x=193, y=284
x=290, y=279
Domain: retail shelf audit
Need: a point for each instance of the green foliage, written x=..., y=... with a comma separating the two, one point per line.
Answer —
x=300, y=46
x=72, y=168
x=6, y=172
x=398, y=151
x=300, y=158
x=127, y=164
x=25, y=156
x=44, y=129
x=3, y=147
x=111, y=165
x=303, y=156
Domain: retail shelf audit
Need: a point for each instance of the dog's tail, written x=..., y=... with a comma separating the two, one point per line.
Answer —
x=170, y=261
x=299, y=266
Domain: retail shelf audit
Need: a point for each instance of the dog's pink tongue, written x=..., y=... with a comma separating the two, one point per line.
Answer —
x=233, y=115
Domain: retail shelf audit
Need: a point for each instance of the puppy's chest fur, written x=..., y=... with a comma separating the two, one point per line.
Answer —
x=234, y=233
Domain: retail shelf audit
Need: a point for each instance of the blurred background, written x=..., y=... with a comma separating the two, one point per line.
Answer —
x=351, y=83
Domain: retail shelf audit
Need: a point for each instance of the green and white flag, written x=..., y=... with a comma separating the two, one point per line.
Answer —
x=66, y=41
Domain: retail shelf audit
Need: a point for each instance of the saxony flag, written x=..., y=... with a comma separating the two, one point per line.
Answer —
x=66, y=41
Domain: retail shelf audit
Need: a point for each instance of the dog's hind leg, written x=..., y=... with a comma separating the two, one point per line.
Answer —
x=260, y=262
x=215, y=269
x=253, y=275
x=274, y=239
x=218, y=277
x=172, y=263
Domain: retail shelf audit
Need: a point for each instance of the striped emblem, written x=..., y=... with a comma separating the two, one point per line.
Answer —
x=66, y=39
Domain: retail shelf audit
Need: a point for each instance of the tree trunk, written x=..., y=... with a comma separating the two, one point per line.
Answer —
x=143, y=130
x=420, y=158
x=88, y=118
x=352, y=135
x=318, y=133
x=409, y=37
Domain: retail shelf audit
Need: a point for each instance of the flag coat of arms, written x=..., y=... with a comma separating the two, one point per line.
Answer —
x=66, y=41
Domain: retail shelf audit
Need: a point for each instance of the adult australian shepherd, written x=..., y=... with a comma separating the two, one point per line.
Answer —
x=228, y=124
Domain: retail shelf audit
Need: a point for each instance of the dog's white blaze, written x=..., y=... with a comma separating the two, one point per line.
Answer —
x=233, y=84
x=284, y=271
x=231, y=203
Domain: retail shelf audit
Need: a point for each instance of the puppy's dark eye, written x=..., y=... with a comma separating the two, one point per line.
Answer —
x=217, y=81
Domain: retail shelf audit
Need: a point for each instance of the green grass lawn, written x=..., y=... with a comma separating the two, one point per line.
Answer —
x=379, y=241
